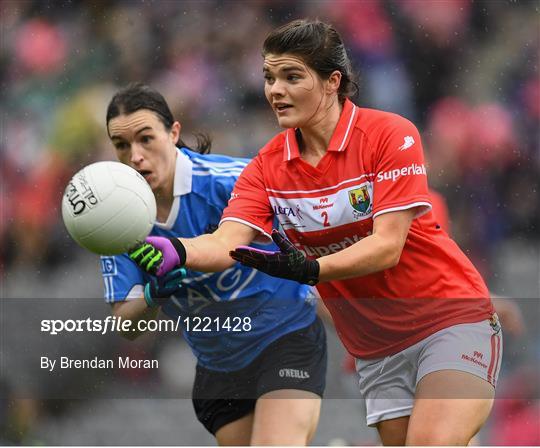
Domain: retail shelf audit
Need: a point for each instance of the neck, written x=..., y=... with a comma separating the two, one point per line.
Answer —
x=164, y=201
x=165, y=195
x=316, y=138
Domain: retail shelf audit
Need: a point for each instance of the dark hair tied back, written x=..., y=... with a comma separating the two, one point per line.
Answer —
x=138, y=96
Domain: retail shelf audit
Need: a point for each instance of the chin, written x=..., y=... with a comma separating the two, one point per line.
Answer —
x=153, y=184
x=287, y=123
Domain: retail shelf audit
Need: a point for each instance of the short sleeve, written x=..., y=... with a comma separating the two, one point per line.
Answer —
x=400, y=178
x=249, y=202
x=122, y=279
x=440, y=210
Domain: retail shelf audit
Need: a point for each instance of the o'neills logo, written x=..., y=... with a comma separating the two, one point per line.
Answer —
x=293, y=373
x=80, y=196
x=321, y=251
x=393, y=175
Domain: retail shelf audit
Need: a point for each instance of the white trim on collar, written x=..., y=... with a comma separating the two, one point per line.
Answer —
x=182, y=185
x=182, y=174
x=353, y=113
x=288, y=146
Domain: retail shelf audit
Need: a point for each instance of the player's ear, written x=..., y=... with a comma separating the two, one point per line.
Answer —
x=333, y=82
x=175, y=131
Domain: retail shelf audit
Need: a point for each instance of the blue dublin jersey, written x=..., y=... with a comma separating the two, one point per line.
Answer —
x=238, y=312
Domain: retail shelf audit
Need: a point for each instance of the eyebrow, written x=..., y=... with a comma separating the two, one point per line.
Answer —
x=146, y=128
x=117, y=137
x=288, y=68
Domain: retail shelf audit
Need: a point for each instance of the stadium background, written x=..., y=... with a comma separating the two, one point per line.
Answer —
x=465, y=72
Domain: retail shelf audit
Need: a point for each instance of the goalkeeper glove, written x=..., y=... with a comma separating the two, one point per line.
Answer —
x=158, y=255
x=159, y=289
x=288, y=262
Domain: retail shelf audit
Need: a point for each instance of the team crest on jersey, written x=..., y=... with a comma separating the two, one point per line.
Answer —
x=360, y=200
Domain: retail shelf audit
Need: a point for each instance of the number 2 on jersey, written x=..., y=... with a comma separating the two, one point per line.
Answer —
x=326, y=223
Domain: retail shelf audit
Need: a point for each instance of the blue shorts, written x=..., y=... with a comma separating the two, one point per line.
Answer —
x=296, y=361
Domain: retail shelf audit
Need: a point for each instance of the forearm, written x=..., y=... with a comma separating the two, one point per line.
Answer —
x=379, y=251
x=207, y=253
x=376, y=252
x=210, y=252
x=135, y=310
x=369, y=255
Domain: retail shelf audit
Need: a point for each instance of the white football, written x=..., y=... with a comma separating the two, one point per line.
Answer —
x=108, y=208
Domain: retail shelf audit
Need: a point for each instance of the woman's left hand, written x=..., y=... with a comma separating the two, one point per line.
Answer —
x=288, y=263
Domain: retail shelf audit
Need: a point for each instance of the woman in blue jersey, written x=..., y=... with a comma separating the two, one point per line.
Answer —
x=262, y=337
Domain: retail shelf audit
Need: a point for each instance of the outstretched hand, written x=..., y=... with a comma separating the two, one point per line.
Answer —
x=159, y=255
x=288, y=263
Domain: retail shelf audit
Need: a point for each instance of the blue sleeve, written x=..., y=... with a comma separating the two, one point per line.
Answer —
x=120, y=275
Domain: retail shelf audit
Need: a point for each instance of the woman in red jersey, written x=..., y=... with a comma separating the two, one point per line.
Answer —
x=349, y=187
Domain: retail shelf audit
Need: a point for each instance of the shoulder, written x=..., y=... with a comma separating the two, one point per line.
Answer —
x=215, y=161
x=213, y=175
x=274, y=146
x=214, y=169
x=374, y=121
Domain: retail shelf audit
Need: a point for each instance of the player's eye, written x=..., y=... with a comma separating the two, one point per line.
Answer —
x=268, y=79
x=146, y=139
x=120, y=146
x=293, y=77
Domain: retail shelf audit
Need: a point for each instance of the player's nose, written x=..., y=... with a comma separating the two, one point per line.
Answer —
x=136, y=153
x=277, y=89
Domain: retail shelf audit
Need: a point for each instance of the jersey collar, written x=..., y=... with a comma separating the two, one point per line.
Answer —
x=182, y=174
x=182, y=185
x=340, y=137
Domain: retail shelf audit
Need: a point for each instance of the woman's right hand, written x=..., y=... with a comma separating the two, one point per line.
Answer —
x=159, y=255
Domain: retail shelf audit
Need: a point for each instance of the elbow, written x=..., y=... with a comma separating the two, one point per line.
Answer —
x=392, y=263
x=392, y=257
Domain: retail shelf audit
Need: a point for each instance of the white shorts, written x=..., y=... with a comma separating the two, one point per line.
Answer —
x=388, y=384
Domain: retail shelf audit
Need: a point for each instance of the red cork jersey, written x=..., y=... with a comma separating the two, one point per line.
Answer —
x=374, y=164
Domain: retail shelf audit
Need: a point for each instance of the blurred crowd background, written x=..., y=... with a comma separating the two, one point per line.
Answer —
x=465, y=72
